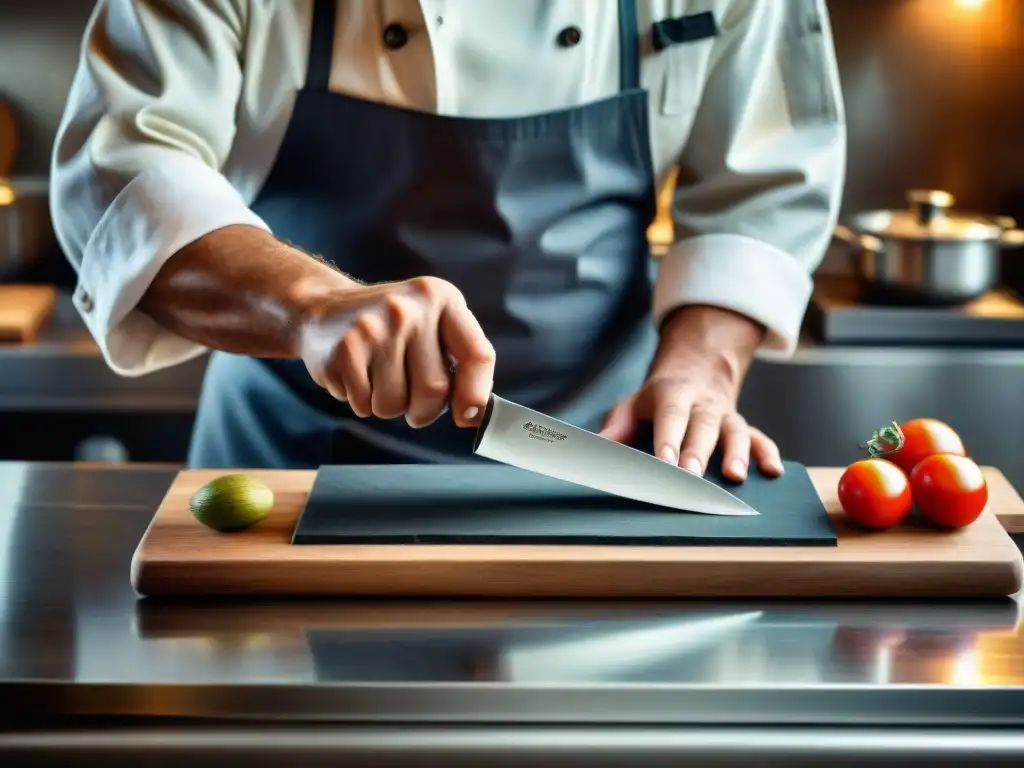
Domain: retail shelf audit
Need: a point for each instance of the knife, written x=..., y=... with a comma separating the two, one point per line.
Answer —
x=521, y=437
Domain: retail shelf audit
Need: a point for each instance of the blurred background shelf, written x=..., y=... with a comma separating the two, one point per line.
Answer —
x=933, y=97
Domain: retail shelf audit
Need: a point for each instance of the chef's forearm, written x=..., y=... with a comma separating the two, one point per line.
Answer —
x=240, y=290
x=727, y=337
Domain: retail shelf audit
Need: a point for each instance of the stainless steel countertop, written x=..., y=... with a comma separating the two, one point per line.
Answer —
x=75, y=640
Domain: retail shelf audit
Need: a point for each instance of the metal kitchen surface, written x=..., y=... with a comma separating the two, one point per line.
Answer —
x=75, y=640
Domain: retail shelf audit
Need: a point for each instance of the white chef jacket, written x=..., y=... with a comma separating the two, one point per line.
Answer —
x=178, y=109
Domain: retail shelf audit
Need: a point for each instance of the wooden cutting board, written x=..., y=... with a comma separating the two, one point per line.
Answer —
x=23, y=311
x=179, y=557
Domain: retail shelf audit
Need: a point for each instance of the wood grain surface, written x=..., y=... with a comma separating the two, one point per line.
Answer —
x=23, y=311
x=179, y=557
x=8, y=137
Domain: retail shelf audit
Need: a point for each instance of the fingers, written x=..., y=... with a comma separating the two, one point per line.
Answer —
x=702, y=433
x=351, y=367
x=428, y=379
x=687, y=433
x=671, y=420
x=765, y=453
x=333, y=384
x=390, y=396
x=704, y=427
x=464, y=340
x=383, y=348
x=735, y=447
x=620, y=423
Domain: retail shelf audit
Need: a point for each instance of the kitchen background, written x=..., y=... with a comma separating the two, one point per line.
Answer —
x=934, y=91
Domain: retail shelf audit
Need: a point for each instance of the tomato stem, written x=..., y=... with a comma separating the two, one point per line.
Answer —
x=885, y=441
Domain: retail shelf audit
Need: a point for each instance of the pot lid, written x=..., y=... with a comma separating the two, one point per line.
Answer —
x=929, y=218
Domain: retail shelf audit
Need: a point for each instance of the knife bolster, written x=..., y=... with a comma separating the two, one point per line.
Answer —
x=488, y=411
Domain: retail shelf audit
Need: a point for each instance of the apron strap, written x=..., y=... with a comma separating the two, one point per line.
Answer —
x=321, y=45
x=629, y=46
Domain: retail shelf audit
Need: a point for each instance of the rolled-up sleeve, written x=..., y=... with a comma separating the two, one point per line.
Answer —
x=761, y=176
x=135, y=176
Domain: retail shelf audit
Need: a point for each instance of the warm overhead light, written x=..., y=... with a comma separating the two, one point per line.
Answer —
x=971, y=3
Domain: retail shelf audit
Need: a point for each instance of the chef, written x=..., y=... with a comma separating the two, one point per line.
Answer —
x=377, y=213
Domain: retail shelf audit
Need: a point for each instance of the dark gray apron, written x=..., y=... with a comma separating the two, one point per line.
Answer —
x=540, y=221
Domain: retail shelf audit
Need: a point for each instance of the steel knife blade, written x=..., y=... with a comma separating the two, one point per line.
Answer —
x=521, y=437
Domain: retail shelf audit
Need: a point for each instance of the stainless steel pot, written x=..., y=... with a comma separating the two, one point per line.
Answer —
x=26, y=230
x=928, y=254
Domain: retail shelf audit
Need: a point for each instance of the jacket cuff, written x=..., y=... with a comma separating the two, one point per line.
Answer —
x=741, y=274
x=157, y=214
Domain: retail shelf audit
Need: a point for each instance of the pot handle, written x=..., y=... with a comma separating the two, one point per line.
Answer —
x=863, y=242
x=1012, y=238
x=929, y=204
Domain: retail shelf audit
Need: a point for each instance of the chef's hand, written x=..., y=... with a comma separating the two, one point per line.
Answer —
x=383, y=349
x=691, y=393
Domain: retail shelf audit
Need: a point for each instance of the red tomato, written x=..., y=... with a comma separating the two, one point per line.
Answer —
x=907, y=444
x=875, y=493
x=949, y=490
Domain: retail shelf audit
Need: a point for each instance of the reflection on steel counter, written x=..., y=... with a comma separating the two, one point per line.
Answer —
x=550, y=644
x=630, y=650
